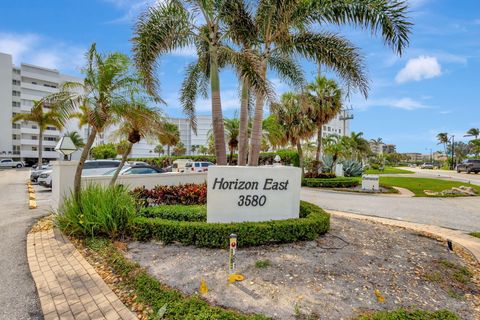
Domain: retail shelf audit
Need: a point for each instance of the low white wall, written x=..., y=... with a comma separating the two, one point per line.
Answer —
x=64, y=173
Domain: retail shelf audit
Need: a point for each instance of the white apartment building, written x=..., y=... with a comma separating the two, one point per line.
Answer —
x=19, y=87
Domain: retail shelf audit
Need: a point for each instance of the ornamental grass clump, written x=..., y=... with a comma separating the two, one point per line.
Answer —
x=100, y=211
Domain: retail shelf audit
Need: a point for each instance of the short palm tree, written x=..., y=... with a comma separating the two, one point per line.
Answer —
x=179, y=149
x=443, y=138
x=138, y=121
x=99, y=100
x=173, y=24
x=232, y=127
x=290, y=28
x=159, y=149
x=76, y=139
x=337, y=147
x=297, y=124
x=169, y=136
x=324, y=101
x=43, y=119
x=361, y=147
x=203, y=150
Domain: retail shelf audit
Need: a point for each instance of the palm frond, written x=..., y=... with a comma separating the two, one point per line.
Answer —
x=287, y=68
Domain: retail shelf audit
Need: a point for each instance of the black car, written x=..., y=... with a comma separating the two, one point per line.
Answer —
x=469, y=165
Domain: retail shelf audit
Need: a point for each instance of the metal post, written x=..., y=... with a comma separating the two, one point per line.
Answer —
x=232, y=255
x=453, y=152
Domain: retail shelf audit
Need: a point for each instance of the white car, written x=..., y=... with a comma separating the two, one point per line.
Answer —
x=197, y=166
x=45, y=178
x=9, y=163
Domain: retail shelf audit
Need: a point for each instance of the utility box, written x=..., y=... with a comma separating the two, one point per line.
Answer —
x=370, y=182
x=339, y=170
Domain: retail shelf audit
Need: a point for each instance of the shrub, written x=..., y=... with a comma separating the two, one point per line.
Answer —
x=320, y=175
x=410, y=315
x=185, y=194
x=100, y=211
x=176, y=212
x=352, y=168
x=339, y=182
x=104, y=151
x=313, y=221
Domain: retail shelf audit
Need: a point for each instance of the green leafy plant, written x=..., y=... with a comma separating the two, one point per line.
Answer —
x=338, y=182
x=104, y=151
x=410, y=315
x=352, y=168
x=100, y=211
x=176, y=212
x=185, y=194
x=313, y=222
x=262, y=264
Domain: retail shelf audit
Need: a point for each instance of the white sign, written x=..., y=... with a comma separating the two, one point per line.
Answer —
x=370, y=182
x=238, y=194
x=339, y=170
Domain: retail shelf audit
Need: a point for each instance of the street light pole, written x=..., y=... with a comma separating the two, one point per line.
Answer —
x=453, y=152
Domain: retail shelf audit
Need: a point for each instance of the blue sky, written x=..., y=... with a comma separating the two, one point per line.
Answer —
x=434, y=87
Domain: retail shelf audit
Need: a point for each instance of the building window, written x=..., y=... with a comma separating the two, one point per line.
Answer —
x=16, y=93
x=34, y=127
x=34, y=148
x=15, y=136
x=16, y=82
x=16, y=71
x=15, y=104
x=51, y=128
x=339, y=130
x=49, y=149
x=34, y=138
x=16, y=126
x=50, y=139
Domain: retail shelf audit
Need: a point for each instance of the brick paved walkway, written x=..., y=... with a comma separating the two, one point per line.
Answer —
x=68, y=286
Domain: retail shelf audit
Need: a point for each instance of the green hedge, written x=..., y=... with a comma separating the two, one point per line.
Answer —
x=289, y=157
x=312, y=223
x=339, y=182
x=176, y=212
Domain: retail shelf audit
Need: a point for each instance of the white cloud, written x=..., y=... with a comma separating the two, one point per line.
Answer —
x=189, y=51
x=405, y=103
x=131, y=9
x=416, y=69
x=42, y=51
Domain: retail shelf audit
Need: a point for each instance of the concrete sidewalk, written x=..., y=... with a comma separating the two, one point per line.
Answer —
x=68, y=286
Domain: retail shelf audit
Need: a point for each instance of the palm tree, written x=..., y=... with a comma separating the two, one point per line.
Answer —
x=473, y=132
x=172, y=25
x=443, y=138
x=138, y=122
x=159, y=149
x=194, y=148
x=43, y=119
x=273, y=132
x=203, y=150
x=336, y=146
x=377, y=143
x=289, y=28
x=179, y=149
x=324, y=101
x=298, y=126
x=98, y=100
x=76, y=139
x=232, y=127
x=169, y=136
x=360, y=145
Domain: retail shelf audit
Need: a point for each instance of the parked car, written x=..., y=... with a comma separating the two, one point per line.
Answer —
x=197, y=166
x=427, y=165
x=179, y=165
x=469, y=165
x=37, y=171
x=90, y=168
x=136, y=169
x=9, y=163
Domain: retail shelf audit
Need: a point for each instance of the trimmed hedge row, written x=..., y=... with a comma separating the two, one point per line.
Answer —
x=176, y=212
x=312, y=223
x=289, y=157
x=339, y=182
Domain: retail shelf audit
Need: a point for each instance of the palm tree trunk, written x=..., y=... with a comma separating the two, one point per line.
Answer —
x=300, y=157
x=168, y=150
x=40, y=147
x=256, y=139
x=243, y=130
x=122, y=163
x=77, y=184
x=217, y=116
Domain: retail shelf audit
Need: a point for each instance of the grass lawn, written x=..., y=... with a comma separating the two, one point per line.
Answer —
x=417, y=185
x=388, y=170
x=475, y=234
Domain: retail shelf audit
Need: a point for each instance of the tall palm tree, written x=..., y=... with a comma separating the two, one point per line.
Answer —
x=473, y=132
x=173, y=25
x=232, y=127
x=443, y=138
x=169, y=136
x=139, y=121
x=43, y=119
x=273, y=132
x=324, y=99
x=98, y=100
x=289, y=27
x=297, y=124
x=360, y=145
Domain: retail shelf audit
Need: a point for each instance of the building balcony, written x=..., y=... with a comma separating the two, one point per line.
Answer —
x=31, y=142
x=38, y=87
x=34, y=154
x=33, y=75
x=26, y=130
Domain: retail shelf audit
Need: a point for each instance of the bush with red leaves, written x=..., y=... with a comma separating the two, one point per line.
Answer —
x=185, y=194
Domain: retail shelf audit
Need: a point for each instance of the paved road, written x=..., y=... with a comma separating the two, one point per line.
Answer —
x=18, y=295
x=455, y=213
x=445, y=174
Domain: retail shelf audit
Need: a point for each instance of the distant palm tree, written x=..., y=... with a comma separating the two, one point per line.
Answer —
x=159, y=149
x=473, y=132
x=169, y=136
x=179, y=149
x=443, y=138
x=232, y=127
x=76, y=139
x=203, y=149
x=138, y=121
x=337, y=147
x=296, y=123
x=43, y=119
x=377, y=143
x=360, y=145
x=324, y=101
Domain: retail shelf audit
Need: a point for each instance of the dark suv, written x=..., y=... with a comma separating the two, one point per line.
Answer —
x=469, y=165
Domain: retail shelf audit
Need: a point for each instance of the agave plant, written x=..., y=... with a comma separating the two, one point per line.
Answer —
x=352, y=168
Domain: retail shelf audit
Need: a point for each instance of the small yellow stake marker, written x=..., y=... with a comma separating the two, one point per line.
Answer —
x=379, y=296
x=233, y=276
x=203, y=287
